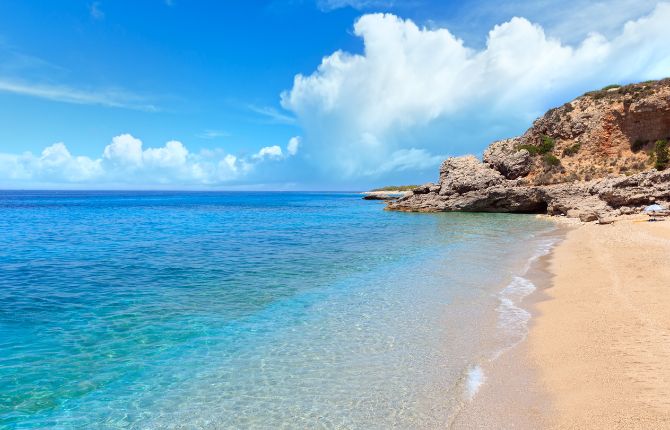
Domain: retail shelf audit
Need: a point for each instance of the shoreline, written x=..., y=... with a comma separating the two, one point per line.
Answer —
x=597, y=354
x=512, y=396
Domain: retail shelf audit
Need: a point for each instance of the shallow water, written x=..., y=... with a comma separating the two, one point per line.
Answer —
x=254, y=310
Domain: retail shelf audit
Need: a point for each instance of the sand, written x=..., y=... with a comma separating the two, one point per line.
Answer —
x=600, y=340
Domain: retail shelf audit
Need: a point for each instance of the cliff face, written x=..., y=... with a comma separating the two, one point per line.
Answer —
x=595, y=156
x=602, y=132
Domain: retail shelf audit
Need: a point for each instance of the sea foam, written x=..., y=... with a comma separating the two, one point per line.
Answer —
x=474, y=380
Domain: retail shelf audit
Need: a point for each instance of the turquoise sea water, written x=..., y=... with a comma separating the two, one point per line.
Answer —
x=250, y=310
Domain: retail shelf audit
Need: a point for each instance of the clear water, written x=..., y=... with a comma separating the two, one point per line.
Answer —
x=256, y=310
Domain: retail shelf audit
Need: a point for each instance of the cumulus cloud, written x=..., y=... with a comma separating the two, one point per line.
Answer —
x=571, y=20
x=293, y=145
x=276, y=153
x=126, y=161
x=124, y=150
x=415, y=92
x=269, y=152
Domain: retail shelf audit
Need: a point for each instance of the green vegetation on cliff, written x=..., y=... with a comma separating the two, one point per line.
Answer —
x=546, y=146
x=661, y=155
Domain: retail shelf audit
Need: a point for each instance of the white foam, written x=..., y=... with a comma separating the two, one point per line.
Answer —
x=518, y=288
x=512, y=318
x=543, y=249
x=475, y=379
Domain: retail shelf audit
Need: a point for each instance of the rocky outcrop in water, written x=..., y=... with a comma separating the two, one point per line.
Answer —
x=598, y=156
x=384, y=195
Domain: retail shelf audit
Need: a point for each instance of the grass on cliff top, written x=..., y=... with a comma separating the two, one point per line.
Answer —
x=396, y=188
x=636, y=89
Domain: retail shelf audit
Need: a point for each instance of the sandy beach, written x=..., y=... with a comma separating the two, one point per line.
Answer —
x=600, y=340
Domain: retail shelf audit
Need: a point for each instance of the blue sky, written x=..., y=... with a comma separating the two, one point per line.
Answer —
x=294, y=94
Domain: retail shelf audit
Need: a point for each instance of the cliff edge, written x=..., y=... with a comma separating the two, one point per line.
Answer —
x=603, y=154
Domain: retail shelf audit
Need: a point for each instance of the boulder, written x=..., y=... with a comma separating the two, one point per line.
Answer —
x=504, y=157
x=459, y=175
x=423, y=189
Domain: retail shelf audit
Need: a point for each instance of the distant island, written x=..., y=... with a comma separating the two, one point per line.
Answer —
x=390, y=192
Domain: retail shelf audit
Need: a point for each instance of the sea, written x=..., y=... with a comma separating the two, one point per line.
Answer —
x=252, y=310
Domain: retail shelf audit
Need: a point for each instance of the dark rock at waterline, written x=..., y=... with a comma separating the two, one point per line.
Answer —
x=382, y=195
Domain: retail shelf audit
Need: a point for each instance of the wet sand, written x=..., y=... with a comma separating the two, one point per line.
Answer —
x=512, y=397
x=597, y=355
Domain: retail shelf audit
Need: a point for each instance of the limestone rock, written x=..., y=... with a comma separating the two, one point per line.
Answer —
x=423, y=189
x=504, y=157
x=459, y=175
x=597, y=177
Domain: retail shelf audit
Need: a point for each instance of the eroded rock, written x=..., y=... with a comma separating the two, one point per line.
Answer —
x=459, y=175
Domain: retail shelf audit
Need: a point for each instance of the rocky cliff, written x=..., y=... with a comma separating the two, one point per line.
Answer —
x=600, y=155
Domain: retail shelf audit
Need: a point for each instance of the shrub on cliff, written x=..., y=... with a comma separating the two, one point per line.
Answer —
x=546, y=146
x=661, y=154
x=571, y=150
x=551, y=160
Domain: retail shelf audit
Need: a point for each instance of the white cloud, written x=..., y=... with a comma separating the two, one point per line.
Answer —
x=31, y=76
x=126, y=161
x=212, y=134
x=361, y=113
x=124, y=150
x=571, y=20
x=172, y=154
x=276, y=153
x=272, y=115
x=293, y=145
x=407, y=159
x=67, y=94
x=273, y=152
x=54, y=161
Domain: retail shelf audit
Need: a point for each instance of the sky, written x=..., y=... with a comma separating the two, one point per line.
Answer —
x=295, y=94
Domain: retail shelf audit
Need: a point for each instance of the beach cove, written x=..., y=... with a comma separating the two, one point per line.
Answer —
x=238, y=310
x=596, y=355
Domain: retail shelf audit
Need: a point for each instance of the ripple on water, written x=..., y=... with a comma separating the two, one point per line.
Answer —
x=174, y=310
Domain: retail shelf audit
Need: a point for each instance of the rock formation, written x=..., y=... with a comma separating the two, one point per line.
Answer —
x=601, y=155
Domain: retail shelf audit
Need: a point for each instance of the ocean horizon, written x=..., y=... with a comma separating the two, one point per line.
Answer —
x=265, y=310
